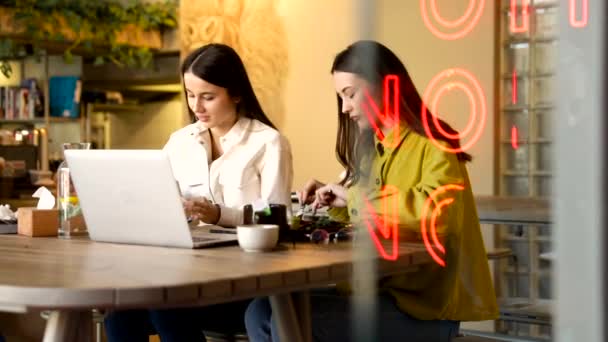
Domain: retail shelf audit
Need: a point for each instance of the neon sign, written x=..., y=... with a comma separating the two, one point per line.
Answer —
x=458, y=28
x=525, y=17
x=387, y=226
x=475, y=94
x=582, y=22
x=514, y=138
x=575, y=20
x=432, y=229
x=390, y=116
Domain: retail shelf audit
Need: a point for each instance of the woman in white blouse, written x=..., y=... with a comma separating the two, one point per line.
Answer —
x=230, y=156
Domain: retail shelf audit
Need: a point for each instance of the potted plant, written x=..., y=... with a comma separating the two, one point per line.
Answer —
x=126, y=35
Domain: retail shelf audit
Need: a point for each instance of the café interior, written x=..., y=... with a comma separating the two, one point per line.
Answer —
x=522, y=80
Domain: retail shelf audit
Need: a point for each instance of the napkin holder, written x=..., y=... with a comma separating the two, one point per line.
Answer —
x=37, y=222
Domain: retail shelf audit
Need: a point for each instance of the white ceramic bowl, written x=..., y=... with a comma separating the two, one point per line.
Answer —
x=257, y=237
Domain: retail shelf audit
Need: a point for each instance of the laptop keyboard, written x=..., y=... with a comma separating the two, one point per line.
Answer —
x=201, y=239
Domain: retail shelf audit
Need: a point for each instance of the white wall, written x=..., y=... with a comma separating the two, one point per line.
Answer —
x=316, y=31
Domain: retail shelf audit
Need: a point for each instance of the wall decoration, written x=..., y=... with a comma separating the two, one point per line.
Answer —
x=255, y=30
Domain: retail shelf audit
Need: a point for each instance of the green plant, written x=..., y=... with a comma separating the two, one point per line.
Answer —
x=96, y=24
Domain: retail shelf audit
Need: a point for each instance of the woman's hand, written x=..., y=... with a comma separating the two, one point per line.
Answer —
x=330, y=195
x=307, y=194
x=202, y=209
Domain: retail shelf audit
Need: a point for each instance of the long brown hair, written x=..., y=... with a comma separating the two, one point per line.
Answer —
x=373, y=61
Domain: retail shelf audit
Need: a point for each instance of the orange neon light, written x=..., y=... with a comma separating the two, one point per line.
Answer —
x=582, y=22
x=456, y=22
x=477, y=93
x=460, y=27
x=525, y=17
x=390, y=116
x=472, y=117
x=514, y=138
x=386, y=226
x=436, y=244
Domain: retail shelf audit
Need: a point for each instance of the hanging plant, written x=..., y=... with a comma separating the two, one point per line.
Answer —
x=99, y=28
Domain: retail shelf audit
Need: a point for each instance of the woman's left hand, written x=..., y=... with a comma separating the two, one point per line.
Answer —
x=202, y=209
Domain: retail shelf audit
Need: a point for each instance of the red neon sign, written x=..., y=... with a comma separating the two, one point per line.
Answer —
x=472, y=117
x=525, y=17
x=390, y=116
x=459, y=27
x=456, y=22
x=514, y=138
x=476, y=95
x=432, y=229
x=582, y=22
x=387, y=226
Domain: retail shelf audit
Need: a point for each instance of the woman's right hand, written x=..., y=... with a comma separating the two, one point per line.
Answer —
x=307, y=194
x=330, y=195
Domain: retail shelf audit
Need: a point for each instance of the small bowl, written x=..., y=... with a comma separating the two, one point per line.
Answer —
x=257, y=237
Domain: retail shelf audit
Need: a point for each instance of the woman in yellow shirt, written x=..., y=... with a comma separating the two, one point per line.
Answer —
x=392, y=159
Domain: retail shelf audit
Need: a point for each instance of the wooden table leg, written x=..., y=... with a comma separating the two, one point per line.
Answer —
x=285, y=317
x=69, y=326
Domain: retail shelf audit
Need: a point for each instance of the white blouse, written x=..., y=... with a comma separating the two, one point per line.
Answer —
x=256, y=163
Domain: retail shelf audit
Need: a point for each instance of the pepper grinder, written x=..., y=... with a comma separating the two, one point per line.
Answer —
x=247, y=214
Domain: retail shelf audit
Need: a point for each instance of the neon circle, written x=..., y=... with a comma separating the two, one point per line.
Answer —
x=482, y=115
x=470, y=124
x=474, y=19
x=456, y=22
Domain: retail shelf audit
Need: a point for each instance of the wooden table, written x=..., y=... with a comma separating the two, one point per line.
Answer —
x=513, y=210
x=72, y=277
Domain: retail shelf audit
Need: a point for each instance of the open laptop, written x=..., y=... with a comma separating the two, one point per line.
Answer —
x=131, y=196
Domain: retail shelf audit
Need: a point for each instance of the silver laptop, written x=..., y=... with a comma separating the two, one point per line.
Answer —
x=131, y=196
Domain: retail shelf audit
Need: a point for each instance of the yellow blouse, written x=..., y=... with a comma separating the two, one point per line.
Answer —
x=414, y=169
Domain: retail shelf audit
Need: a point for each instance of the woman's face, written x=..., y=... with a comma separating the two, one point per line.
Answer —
x=351, y=89
x=212, y=105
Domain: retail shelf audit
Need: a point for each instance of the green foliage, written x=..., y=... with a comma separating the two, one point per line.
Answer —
x=103, y=19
